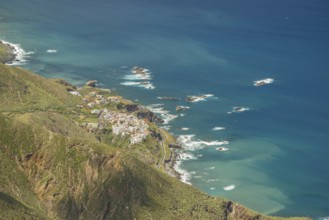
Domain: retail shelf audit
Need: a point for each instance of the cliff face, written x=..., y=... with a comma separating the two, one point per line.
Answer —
x=59, y=160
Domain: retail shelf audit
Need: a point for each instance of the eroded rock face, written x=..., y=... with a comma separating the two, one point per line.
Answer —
x=132, y=107
x=150, y=116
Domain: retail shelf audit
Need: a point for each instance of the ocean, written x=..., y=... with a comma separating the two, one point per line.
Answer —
x=271, y=153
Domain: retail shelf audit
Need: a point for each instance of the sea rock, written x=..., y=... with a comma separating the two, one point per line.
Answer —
x=181, y=108
x=169, y=98
x=91, y=83
x=190, y=98
x=193, y=98
x=238, y=109
x=138, y=70
x=263, y=82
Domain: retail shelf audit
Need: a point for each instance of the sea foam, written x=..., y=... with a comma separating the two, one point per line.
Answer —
x=238, y=110
x=139, y=77
x=19, y=52
x=189, y=142
x=145, y=84
x=185, y=129
x=185, y=176
x=229, y=188
x=263, y=82
x=164, y=114
x=51, y=51
x=194, y=98
x=218, y=128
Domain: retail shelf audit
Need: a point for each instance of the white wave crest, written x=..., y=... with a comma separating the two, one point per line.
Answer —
x=189, y=142
x=212, y=180
x=164, y=114
x=144, y=84
x=185, y=176
x=137, y=77
x=51, y=51
x=263, y=82
x=238, y=110
x=194, y=98
x=230, y=187
x=186, y=156
x=218, y=128
x=185, y=129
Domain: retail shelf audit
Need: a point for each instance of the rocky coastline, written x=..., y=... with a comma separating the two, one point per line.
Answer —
x=64, y=156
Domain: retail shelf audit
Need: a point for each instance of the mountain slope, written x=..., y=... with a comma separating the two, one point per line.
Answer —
x=60, y=158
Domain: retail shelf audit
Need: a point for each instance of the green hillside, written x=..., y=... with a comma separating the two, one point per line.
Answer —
x=60, y=158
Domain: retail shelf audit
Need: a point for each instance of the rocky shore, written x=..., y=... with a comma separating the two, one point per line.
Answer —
x=88, y=153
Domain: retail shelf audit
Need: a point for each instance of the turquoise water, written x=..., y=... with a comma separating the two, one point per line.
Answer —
x=277, y=157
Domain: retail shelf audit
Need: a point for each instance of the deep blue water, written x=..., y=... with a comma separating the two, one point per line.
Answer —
x=278, y=151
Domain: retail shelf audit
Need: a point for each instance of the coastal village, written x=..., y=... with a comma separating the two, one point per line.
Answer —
x=122, y=123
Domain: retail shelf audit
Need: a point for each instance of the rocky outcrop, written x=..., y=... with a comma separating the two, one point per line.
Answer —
x=91, y=83
x=181, y=108
x=139, y=70
x=156, y=135
x=131, y=107
x=69, y=86
x=149, y=116
x=6, y=53
x=169, y=98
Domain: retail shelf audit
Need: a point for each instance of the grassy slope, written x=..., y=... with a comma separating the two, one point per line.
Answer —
x=52, y=168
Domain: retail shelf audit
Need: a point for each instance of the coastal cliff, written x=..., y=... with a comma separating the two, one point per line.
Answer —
x=88, y=153
x=6, y=54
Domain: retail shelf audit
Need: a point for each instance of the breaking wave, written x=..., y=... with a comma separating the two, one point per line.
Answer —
x=190, y=142
x=161, y=112
x=229, y=188
x=19, y=52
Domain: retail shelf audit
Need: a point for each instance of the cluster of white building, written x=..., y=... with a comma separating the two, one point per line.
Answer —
x=125, y=124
